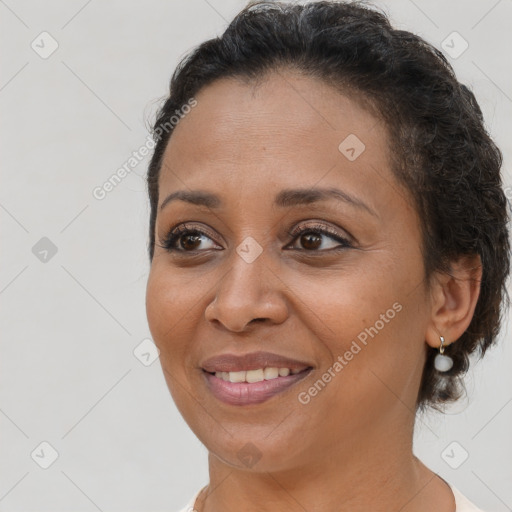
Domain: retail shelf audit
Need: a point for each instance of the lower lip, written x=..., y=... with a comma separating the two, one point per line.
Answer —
x=245, y=393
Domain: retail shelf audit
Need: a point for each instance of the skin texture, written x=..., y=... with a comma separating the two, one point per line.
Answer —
x=350, y=447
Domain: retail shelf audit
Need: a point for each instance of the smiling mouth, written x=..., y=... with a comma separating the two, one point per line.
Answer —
x=252, y=386
x=258, y=375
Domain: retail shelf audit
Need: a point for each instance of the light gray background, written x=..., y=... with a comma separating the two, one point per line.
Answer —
x=70, y=325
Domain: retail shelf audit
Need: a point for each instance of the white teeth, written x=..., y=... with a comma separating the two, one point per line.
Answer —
x=234, y=376
x=270, y=373
x=256, y=375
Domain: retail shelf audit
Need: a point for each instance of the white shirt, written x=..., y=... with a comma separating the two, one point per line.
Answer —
x=462, y=504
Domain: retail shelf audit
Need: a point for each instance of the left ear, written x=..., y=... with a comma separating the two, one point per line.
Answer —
x=454, y=296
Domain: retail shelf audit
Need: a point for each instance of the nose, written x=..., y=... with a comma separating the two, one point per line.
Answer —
x=248, y=293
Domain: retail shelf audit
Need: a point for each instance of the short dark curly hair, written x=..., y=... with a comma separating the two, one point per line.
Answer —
x=441, y=150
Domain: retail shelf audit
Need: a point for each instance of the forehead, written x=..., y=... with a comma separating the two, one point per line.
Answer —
x=288, y=128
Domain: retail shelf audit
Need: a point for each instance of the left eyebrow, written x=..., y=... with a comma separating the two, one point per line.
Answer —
x=301, y=196
x=284, y=199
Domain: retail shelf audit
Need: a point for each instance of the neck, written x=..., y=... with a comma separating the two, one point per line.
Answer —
x=355, y=476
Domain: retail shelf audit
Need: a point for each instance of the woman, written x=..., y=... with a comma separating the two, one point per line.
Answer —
x=328, y=245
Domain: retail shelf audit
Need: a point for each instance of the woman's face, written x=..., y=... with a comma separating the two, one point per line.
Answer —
x=355, y=311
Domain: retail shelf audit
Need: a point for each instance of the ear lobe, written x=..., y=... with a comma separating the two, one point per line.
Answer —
x=454, y=298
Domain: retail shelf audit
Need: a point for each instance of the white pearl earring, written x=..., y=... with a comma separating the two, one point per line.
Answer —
x=442, y=363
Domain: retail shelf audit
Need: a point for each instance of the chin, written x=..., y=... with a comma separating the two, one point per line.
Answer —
x=251, y=453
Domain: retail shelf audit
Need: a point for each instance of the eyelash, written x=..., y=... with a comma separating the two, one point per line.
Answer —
x=175, y=234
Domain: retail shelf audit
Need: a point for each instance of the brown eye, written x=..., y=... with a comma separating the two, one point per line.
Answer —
x=313, y=239
x=184, y=239
x=190, y=241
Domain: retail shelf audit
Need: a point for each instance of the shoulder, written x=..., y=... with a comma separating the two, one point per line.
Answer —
x=462, y=503
x=189, y=507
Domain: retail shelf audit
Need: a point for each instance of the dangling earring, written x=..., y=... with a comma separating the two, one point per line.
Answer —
x=442, y=363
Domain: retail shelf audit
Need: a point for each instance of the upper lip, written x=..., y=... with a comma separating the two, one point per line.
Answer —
x=251, y=361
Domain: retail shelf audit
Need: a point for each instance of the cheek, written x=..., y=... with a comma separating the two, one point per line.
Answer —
x=169, y=305
x=349, y=300
x=374, y=321
x=158, y=305
x=170, y=314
